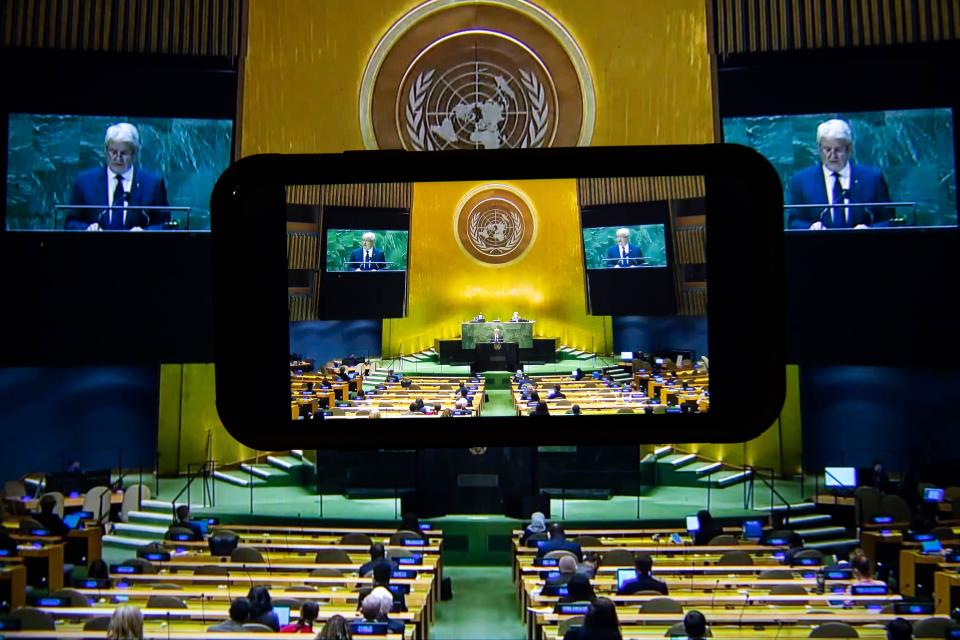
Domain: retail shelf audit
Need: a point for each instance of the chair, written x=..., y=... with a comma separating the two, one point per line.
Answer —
x=896, y=507
x=661, y=605
x=58, y=507
x=834, y=630
x=735, y=558
x=362, y=413
x=246, y=554
x=866, y=504
x=575, y=621
x=536, y=537
x=165, y=602
x=790, y=590
x=559, y=553
x=816, y=554
x=175, y=532
x=563, y=403
x=356, y=538
x=943, y=533
x=34, y=619
x=97, y=502
x=132, y=498
x=301, y=587
x=400, y=553
x=624, y=410
x=400, y=536
x=211, y=570
x=931, y=627
x=332, y=556
x=723, y=540
x=77, y=599
x=167, y=586
x=334, y=411
x=150, y=547
x=293, y=603
x=145, y=565
x=14, y=488
x=678, y=631
x=775, y=574
x=100, y=623
x=588, y=541
x=618, y=558
x=326, y=572
x=26, y=524
x=256, y=627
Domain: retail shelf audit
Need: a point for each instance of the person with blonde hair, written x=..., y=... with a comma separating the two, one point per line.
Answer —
x=126, y=623
x=374, y=413
x=336, y=628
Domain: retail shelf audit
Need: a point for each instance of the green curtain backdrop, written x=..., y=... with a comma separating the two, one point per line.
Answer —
x=340, y=242
x=650, y=238
x=46, y=152
x=913, y=148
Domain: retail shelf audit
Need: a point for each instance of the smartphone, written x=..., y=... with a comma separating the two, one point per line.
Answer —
x=464, y=267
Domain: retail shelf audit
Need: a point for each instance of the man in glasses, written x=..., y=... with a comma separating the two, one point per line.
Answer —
x=113, y=193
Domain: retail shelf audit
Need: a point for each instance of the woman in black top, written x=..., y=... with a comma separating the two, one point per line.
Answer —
x=707, y=531
x=600, y=623
x=579, y=589
x=261, y=608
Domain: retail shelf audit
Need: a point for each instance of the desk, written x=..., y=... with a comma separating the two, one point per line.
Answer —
x=474, y=333
x=917, y=572
x=84, y=545
x=44, y=565
x=946, y=592
x=497, y=356
x=13, y=585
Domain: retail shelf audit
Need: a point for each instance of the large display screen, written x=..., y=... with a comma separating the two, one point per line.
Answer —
x=890, y=168
x=365, y=250
x=642, y=245
x=113, y=172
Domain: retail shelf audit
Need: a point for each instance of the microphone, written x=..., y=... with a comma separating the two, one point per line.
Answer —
x=713, y=595
x=743, y=609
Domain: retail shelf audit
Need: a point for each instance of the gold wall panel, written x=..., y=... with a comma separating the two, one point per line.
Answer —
x=446, y=286
x=305, y=59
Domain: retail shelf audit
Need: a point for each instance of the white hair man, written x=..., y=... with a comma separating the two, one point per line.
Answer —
x=108, y=198
x=376, y=608
x=367, y=257
x=837, y=180
x=623, y=254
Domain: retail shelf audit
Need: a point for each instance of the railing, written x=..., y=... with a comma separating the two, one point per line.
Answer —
x=197, y=470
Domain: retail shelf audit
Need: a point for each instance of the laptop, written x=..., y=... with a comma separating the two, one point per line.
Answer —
x=752, y=530
x=931, y=547
x=693, y=524
x=72, y=520
x=283, y=613
x=933, y=494
x=624, y=576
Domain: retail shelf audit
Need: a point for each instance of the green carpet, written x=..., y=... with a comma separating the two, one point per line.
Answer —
x=499, y=404
x=484, y=605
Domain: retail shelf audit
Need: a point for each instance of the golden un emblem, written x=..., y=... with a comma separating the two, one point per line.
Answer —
x=495, y=224
x=491, y=74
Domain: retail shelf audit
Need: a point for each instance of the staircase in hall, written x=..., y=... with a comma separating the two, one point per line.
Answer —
x=151, y=521
x=683, y=469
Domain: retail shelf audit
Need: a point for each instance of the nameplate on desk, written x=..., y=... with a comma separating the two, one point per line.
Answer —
x=4, y=553
x=921, y=537
x=550, y=575
x=546, y=562
x=882, y=519
x=776, y=542
x=838, y=574
x=399, y=588
x=182, y=537
x=40, y=533
x=157, y=556
x=808, y=562
x=403, y=574
x=368, y=628
x=554, y=590
x=51, y=601
x=125, y=568
x=913, y=608
x=414, y=559
x=486, y=480
x=344, y=404
x=572, y=609
x=413, y=542
x=92, y=583
x=869, y=589
x=425, y=526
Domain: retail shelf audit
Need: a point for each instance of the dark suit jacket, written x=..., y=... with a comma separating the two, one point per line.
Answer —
x=377, y=262
x=52, y=523
x=643, y=583
x=90, y=188
x=557, y=545
x=193, y=526
x=633, y=259
x=809, y=187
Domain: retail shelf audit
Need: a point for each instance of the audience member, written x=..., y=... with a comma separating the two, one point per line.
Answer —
x=378, y=555
x=579, y=589
x=600, y=623
x=899, y=629
x=541, y=409
x=863, y=570
x=708, y=529
x=557, y=541
x=376, y=608
x=126, y=623
x=309, y=611
x=556, y=394
x=336, y=628
x=381, y=578
x=50, y=520
x=374, y=413
x=239, y=612
x=695, y=625
x=183, y=521
x=566, y=569
x=574, y=410
x=644, y=580
x=538, y=524
x=261, y=608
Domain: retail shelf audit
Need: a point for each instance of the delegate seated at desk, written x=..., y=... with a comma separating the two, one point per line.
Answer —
x=118, y=187
x=836, y=179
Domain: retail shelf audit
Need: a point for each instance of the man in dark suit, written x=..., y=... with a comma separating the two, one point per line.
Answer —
x=623, y=254
x=566, y=569
x=49, y=519
x=644, y=580
x=367, y=257
x=113, y=192
x=497, y=335
x=837, y=180
x=557, y=541
x=183, y=520
x=378, y=555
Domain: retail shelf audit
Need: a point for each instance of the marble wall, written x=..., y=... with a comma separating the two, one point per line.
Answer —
x=913, y=148
x=45, y=153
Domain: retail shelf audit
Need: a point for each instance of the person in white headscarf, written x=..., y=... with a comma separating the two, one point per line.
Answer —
x=538, y=524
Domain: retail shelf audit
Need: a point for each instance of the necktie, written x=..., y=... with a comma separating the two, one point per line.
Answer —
x=366, y=260
x=838, y=218
x=622, y=256
x=116, y=213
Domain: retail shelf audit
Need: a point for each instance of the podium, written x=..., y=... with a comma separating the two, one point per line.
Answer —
x=497, y=356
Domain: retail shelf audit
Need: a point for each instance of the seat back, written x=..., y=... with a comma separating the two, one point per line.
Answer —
x=32, y=619
x=97, y=502
x=145, y=565
x=723, y=540
x=816, y=554
x=588, y=541
x=866, y=504
x=398, y=537
x=77, y=599
x=332, y=556
x=356, y=538
x=735, y=558
x=775, y=574
x=559, y=553
x=575, y=621
x=166, y=586
x=58, y=497
x=256, y=627
x=211, y=570
x=617, y=558
x=678, y=631
x=325, y=572
x=533, y=538
x=896, y=507
x=931, y=627
x=834, y=630
x=293, y=603
x=133, y=496
x=790, y=590
x=165, y=602
x=246, y=554
x=661, y=605
x=26, y=524
x=175, y=532
x=100, y=623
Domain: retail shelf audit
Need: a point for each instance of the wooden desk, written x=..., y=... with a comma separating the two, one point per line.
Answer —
x=946, y=592
x=13, y=577
x=44, y=565
x=917, y=571
x=174, y=633
x=85, y=545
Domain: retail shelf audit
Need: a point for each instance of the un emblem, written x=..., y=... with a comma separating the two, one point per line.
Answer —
x=495, y=224
x=467, y=75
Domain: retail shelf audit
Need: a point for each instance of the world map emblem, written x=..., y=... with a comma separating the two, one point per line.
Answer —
x=495, y=224
x=476, y=75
